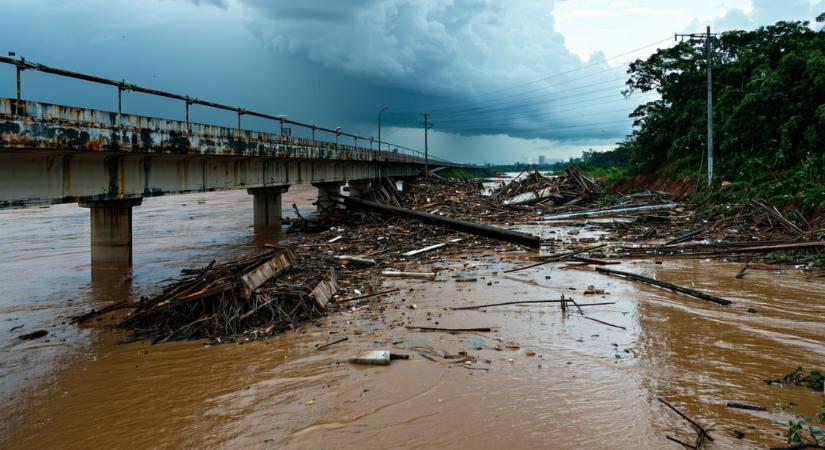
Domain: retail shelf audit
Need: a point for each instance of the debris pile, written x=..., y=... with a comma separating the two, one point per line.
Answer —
x=531, y=188
x=458, y=199
x=233, y=299
x=432, y=220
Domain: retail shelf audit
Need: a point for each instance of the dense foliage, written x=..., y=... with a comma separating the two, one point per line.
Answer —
x=598, y=163
x=769, y=111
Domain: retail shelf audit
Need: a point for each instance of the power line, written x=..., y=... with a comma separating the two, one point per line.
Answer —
x=540, y=105
x=539, y=110
x=543, y=88
x=569, y=127
x=432, y=106
x=521, y=119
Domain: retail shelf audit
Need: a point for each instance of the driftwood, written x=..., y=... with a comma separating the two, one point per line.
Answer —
x=527, y=302
x=366, y=296
x=453, y=330
x=605, y=323
x=665, y=285
x=556, y=258
x=702, y=434
x=96, y=312
x=431, y=247
x=610, y=212
x=773, y=212
x=331, y=343
x=683, y=237
x=515, y=237
x=227, y=300
x=747, y=407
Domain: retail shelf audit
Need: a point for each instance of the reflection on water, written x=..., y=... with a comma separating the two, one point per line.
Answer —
x=568, y=383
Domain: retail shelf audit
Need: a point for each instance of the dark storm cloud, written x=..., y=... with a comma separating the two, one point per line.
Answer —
x=456, y=52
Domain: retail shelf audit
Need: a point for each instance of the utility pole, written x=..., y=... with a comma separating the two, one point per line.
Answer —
x=426, y=148
x=706, y=37
x=379, y=125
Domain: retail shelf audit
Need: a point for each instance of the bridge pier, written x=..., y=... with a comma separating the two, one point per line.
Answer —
x=358, y=188
x=111, y=227
x=328, y=193
x=267, y=205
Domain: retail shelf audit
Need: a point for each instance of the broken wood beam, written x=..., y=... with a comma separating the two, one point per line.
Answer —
x=526, y=302
x=331, y=343
x=698, y=427
x=665, y=285
x=453, y=330
x=556, y=258
x=261, y=274
x=605, y=323
x=610, y=212
x=431, y=247
x=325, y=289
x=528, y=240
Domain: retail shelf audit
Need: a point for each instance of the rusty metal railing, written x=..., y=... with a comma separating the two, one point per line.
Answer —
x=22, y=64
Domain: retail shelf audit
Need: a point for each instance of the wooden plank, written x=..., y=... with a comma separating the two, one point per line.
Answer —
x=325, y=289
x=261, y=274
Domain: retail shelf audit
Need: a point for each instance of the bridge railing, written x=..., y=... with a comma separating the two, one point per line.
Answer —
x=21, y=107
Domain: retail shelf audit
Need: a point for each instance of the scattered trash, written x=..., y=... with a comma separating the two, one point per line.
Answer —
x=399, y=274
x=372, y=357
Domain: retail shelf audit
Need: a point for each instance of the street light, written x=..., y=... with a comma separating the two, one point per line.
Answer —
x=379, y=125
x=337, y=133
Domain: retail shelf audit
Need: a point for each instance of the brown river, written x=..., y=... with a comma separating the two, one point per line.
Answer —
x=542, y=379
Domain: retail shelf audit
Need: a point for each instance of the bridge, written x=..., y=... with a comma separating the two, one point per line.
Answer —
x=109, y=161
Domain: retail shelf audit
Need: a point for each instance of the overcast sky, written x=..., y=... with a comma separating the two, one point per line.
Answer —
x=503, y=80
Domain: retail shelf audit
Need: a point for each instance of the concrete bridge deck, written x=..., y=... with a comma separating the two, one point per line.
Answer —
x=108, y=161
x=60, y=154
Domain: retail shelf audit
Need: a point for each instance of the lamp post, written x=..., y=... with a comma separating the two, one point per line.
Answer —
x=379, y=125
x=337, y=133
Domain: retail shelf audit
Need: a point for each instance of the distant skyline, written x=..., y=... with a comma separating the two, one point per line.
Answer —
x=504, y=81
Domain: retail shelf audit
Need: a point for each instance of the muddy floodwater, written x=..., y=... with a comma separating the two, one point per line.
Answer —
x=540, y=378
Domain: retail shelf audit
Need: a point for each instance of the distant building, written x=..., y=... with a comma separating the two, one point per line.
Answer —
x=541, y=160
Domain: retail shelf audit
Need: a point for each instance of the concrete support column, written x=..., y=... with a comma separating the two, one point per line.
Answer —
x=111, y=227
x=357, y=188
x=267, y=205
x=328, y=200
